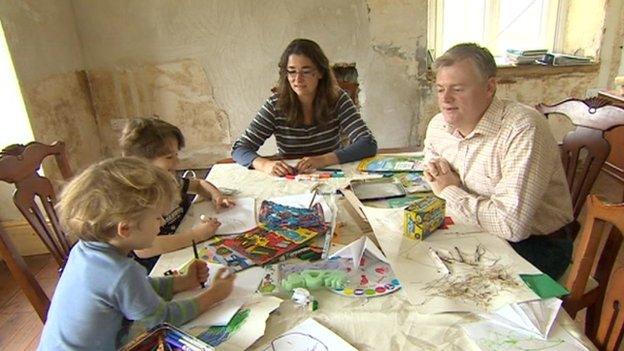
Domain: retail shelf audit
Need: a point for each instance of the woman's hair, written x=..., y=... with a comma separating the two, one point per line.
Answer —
x=111, y=191
x=326, y=91
x=147, y=137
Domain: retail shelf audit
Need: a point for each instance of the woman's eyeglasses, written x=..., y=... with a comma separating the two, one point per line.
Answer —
x=306, y=73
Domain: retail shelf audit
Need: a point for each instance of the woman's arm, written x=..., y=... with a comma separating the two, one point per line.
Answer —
x=361, y=140
x=244, y=151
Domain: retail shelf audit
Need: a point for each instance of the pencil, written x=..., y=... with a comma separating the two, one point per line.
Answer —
x=203, y=285
x=313, y=196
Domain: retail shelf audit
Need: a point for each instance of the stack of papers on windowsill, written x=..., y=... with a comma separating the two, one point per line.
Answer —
x=524, y=57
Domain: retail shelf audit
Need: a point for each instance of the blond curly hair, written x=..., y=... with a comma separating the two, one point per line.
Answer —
x=111, y=191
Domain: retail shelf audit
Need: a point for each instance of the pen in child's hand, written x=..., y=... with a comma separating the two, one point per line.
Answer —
x=203, y=285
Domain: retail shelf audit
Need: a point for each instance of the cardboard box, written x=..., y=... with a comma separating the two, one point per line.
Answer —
x=423, y=217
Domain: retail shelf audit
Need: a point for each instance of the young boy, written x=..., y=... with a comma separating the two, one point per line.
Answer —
x=159, y=143
x=114, y=207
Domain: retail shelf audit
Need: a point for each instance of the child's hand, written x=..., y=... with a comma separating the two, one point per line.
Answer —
x=197, y=273
x=206, y=229
x=221, y=201
x=222, y=284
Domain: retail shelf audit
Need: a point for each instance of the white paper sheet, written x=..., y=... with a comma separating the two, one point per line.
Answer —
x=245, y=284
x=490, y=336
x=309, y=335
x=432, y=291
x=234, y=220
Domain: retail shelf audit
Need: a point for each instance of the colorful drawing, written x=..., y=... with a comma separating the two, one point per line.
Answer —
x=262, y=245
x=275, y=215
x=215, y=336
x=270, y=282
x=215, y=251
x=372, y=278
x=392, y=163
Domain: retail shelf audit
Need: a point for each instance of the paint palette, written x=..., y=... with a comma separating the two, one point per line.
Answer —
x=372, y=278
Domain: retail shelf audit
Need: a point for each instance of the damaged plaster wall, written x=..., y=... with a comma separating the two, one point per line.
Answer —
x=46, y=53
x=238, y=43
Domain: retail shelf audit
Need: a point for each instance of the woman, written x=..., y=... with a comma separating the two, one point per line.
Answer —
x=307, y=115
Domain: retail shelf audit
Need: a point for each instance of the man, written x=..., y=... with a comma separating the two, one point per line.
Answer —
x=496, y=163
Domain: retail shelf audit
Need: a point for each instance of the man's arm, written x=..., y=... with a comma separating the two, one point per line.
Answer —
x=526, y=171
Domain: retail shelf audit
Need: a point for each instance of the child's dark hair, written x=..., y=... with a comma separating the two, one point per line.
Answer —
x=147, y=138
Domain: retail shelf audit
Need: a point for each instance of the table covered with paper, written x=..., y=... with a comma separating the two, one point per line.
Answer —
x=460, y=288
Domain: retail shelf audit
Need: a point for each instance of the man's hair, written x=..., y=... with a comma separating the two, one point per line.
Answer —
x=111, y=191
x=480, y=57
x=147, y=137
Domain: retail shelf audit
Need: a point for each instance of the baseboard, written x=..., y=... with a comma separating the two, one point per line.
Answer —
x=24, y=238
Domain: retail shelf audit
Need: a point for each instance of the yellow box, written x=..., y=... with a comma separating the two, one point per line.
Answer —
x=423, y=217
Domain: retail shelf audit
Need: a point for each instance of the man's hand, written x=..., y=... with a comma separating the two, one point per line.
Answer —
x=439, y=175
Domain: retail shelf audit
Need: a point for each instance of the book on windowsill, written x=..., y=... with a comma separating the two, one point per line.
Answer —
x=524, y=57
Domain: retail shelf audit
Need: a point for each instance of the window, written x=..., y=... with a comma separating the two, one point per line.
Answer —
x=495, y=24
x=18, y=131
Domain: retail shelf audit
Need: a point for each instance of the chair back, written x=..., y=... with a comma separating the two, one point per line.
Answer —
x=34, y=194
x=599, y=218
x=611, y=327
x=592, y=118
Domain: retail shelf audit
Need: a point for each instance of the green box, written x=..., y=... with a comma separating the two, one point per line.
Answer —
x=423, y=217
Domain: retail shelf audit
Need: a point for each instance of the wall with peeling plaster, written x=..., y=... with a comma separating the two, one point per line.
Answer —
x=207, y=66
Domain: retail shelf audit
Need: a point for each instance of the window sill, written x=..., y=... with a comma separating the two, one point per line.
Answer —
x=506, y=74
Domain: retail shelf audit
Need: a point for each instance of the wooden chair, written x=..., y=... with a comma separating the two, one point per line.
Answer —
x=586, y=257
x=611, y=326
x=592, y=118
x=34, y=197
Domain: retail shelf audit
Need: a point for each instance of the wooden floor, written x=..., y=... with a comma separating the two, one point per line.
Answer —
x=20, y=327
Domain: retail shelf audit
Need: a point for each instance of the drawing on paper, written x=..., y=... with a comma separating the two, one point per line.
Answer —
x=275, y=215
x=296, y=341
x=216, y=335
x=500, y=341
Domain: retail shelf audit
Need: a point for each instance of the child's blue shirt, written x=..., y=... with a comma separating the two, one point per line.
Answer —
x=100, y=291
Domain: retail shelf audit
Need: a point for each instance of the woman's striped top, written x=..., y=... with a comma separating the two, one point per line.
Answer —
x=306, y=140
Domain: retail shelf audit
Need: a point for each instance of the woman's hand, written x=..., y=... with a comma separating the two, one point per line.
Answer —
x=276, y=168
x=310, y=164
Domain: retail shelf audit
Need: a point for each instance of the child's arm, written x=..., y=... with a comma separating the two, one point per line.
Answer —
x=210, y=192
x=168, y=243
x=181, y=311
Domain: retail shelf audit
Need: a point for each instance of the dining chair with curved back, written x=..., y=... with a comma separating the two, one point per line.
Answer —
x=592, y=118
x=601, y=219
x=611, y=326
x=34, y=196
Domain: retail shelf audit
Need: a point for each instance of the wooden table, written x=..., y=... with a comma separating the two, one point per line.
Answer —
x=614, y=165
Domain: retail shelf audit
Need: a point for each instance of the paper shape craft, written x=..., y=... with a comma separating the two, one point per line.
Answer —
x=309, y=335
x=392, y=163
x=275, y=215
x=234, y=220
x=534, y=318
x=370, y=274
